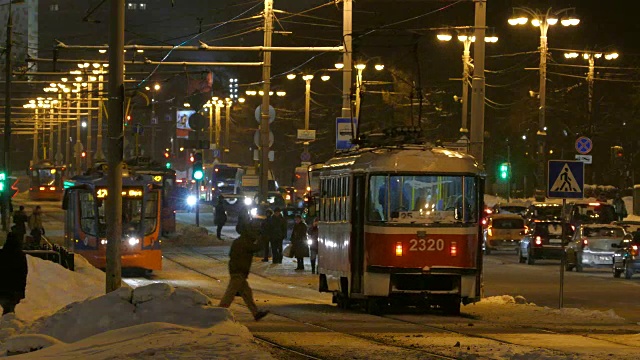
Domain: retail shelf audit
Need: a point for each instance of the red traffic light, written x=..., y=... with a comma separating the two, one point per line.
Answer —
x=191, y=158
x=167, y=155
x=83, y=154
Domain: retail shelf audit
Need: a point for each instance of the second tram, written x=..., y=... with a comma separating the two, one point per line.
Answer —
x=86, y=226
x=399, y=225
x=46, y=181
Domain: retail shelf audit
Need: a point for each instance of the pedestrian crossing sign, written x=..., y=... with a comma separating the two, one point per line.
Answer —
x=566, y=179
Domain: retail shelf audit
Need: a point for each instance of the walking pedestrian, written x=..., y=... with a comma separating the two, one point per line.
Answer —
x=13, y=273
x=279, y=229
x=20, y=219
x=299, y=246
x=620, y=207
x=35, y=225
x=267, y=233
x=313, y=244
x=220, y=217
x=240, y=259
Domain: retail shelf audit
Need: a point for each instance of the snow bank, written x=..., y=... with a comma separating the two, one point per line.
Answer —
x=188, y=234
x=141, y=322
x=51, y=287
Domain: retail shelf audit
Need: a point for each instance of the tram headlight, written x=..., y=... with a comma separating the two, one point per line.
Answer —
x=247, y=201
x=191, y=200
x=309, y=242
x=133, y=241
x=103, y=242
x=253, y=212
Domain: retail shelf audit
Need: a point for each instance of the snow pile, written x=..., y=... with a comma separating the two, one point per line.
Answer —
x=188, y=234
x=152, y=319
x=50, y=287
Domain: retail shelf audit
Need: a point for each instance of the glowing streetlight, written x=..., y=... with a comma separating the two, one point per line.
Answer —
x=291, y=76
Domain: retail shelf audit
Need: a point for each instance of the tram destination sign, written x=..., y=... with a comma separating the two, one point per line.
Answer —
x=102, y=193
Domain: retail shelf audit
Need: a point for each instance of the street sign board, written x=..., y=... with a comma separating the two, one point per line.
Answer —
x=305, y=156
x=584, y=145
x=587, y=159
x=258, y=114
x=344, y=133
x=256, y=138
x=154, y=120
x=306, y=134
x=138, y=129
x=566, y=179
x=216, y=153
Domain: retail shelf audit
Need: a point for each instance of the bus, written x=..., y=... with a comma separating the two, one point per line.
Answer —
x=46, y=181
x=85, y=228
x=399, y=225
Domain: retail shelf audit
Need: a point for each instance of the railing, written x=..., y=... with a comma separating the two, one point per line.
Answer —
x=52, y=252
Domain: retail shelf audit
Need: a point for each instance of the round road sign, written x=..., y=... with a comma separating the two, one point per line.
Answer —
x=584, y=145
x=305, y=156
x=256, y=138
x=258, y=114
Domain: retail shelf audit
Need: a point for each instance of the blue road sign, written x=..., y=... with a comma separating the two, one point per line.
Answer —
x=566, y=179
x=216, y=153
x=584, y=145
x=344, y=133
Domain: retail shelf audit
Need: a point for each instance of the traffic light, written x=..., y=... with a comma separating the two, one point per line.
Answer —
x=617, y=152
x=198, y=171
x=83, y=154
x=504, y=171
x=128, y=120
x=191, y=158
x=3, y=182
x=167, y=165
x=167, y=155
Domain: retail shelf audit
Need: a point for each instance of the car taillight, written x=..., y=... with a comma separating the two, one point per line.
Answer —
x=585, y=243
x=484, y=221
x=41, y=188
x=52, y=188
x=399, y=249
x=453, y=250
x=489, y=231
x=573, y=228
x=287, y=197
x=634, y=250
x=538, y=240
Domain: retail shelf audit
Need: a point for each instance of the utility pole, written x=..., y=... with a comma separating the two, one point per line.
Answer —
x=477, y=84
x=218, y=124
x=307, y=106
x=466, y=60
x=7, y=118
x=67, y=140
x=35, y=157
x=89, y=123
x=58, y=156
x=227, y=125
x=78, y=146
x=347, y=35
x=266, y=85
x=99, y=154
x=116, y=138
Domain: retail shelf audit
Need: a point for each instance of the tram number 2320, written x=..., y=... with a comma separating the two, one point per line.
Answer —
x=426, y=245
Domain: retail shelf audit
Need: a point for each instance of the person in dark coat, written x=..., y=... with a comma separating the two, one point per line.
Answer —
x=20, y=219
x=313, y=244
x=220, y=216
x=13, y=273
x=240, y=260
x=35, y=225
x=279, y=229
x=299, y=245
x=267, y=233
x=244, y=219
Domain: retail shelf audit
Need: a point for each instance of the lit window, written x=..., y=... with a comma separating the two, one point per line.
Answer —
x=53, y=7
x=143, y=6
x=132, y=6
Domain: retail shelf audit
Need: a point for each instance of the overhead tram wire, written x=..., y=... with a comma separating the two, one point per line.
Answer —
x=596, y=79
x=193, y=38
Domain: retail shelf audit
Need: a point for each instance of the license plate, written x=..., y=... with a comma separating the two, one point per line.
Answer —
x=555, y=241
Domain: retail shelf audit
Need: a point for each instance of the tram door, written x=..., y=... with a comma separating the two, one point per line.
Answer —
x=357, y=233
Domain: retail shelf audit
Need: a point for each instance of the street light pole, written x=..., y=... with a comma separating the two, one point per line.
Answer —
x=227, y=125
x=78, y=146
x=542, y=20
x=266, y=84
x=99, y=154
x=359, y=67
x=35, y=157
x=466, y=60
x=477, y=86
x=347, y=25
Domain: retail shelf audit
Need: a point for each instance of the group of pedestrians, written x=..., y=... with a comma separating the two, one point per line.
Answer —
x=34, y=221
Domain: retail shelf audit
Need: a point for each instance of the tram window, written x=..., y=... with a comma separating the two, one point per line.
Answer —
x=87, y=213
x=338, y=201
x=347, y=207
x=151, y=213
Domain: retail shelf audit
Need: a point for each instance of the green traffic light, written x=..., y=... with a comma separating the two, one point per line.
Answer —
x=3, y=178
x=168, y=165
x=504, y=171
x=198, y=175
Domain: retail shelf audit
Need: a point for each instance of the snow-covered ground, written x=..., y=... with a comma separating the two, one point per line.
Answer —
x=67, y=316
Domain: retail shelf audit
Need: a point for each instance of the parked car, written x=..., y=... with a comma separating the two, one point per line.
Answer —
x=503, y=232
x=544, y=211
x=543, y=240
x=590, y=212
x=628, y=225
x=510, y=208
x=592, y=246
x=626, y=259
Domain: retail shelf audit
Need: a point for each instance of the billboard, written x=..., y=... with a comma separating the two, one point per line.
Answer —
x=182, y=123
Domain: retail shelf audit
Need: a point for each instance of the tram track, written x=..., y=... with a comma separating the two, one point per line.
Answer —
x=297, y=350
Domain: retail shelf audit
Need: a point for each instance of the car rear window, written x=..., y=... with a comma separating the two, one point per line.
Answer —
x=508, y=223
x=553, y=229
x=603, y=232
x=595, y=214
x=513, y=209
x=547, y=211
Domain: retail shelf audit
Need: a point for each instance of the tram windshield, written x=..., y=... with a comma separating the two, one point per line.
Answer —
x=135, y=211
x=46, y=177
x=423, y=199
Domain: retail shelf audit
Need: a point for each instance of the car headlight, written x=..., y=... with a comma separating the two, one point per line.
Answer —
x=253, y=211
x=133, y=241
x=220, y=184
x=103, y=242
x=247, y=201
x=191, y=200
x=309, y=242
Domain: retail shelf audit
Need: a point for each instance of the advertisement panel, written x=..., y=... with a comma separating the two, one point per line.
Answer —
x=182, y=123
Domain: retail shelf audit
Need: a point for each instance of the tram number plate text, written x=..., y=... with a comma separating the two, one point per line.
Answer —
x=426, y=245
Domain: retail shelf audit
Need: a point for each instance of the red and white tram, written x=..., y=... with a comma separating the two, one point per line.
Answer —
x=399, y=225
